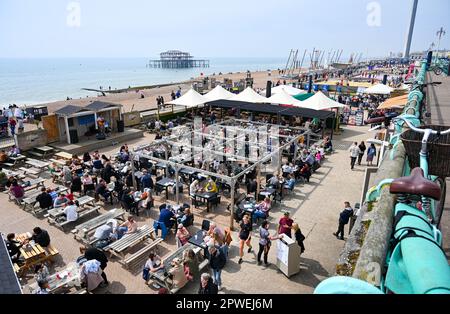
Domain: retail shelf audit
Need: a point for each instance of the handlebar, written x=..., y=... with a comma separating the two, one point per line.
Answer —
x=423, y=131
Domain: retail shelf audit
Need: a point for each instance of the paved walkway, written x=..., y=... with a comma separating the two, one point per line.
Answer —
x=438, y=100
x=315, y=206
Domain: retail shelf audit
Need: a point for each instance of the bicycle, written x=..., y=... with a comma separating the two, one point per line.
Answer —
x=433, y=209
x=416, y=240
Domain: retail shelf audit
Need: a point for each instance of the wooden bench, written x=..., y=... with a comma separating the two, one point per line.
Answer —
x=128, y=241
x=81, y=214
x=8, y=164
x=16, y=268
x=52, y=251
x=138, y=259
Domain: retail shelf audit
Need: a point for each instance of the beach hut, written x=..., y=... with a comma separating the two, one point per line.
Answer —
x=249, y=95
x=379, y=89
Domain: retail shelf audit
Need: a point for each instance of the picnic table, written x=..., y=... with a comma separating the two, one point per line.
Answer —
x=33, y=183
x=86, y=200
x=30, y=200
x=16, y=174
x=33, y=253
x=81, y=232
x=64, y=155
x=206, y=197
x=128, y=241
x=45, y=150
x=37, y=163
x=163, y=277
x=164, y=183
x=17, y=159
x=58, y=162
x=64, y=279
x=54, y=213
x=248, y=207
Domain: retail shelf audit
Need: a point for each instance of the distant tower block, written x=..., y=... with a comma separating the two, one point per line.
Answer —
x=175, y=59
x=410, y=29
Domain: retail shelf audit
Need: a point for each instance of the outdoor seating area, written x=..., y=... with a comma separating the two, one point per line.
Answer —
x=228, y=168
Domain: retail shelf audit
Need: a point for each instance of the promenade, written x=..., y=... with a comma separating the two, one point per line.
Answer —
x=315, y=206
x=438, y=100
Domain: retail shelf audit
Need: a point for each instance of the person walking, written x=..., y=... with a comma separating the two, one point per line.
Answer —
x=265, y=242
x=362, y=148
x=354, y=153
x=344, y=217
x=245, y=236
x=371, y=152
x=217, y=260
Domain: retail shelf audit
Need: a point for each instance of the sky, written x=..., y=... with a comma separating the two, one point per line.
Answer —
x=213, y=28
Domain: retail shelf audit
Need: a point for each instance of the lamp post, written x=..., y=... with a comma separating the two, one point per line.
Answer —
x=439, y=33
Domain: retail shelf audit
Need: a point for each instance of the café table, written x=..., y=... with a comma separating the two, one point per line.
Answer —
x=164, y=183
x=206, y=197
x=267, y=192
x=198, y=239
x=248, y=207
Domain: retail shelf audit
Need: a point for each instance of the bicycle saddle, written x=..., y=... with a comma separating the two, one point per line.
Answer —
x=416, y=184
x=375, y=120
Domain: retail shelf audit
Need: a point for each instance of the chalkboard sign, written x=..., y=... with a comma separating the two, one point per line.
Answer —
x=359, y=118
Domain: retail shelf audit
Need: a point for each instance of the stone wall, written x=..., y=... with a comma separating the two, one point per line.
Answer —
x=30, y=139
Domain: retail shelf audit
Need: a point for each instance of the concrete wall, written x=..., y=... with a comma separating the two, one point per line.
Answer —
x=29, y=140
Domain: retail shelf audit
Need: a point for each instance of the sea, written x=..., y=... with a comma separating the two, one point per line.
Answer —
x=35, y=81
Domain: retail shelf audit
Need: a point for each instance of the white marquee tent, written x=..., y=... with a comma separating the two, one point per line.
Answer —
x=249, y=95
x=218, y=93
x=288, y=89
x=379, y=89
x=190, y=99
x=283, y=98
x=320, y=102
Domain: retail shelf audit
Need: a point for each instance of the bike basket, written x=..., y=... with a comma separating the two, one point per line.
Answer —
x=438, y=150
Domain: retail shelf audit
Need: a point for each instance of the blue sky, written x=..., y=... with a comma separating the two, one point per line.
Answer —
x=208, y=28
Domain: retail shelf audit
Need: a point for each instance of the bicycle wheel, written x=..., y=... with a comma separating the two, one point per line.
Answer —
x=439, y=205
x=437, y=71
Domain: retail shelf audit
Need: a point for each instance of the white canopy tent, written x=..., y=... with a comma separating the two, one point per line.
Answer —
x=320, y=102
x=379, y=89
x=283, y=98
x=190, y=99
x=249, y=95
x=218, y=93
x=288, y=89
